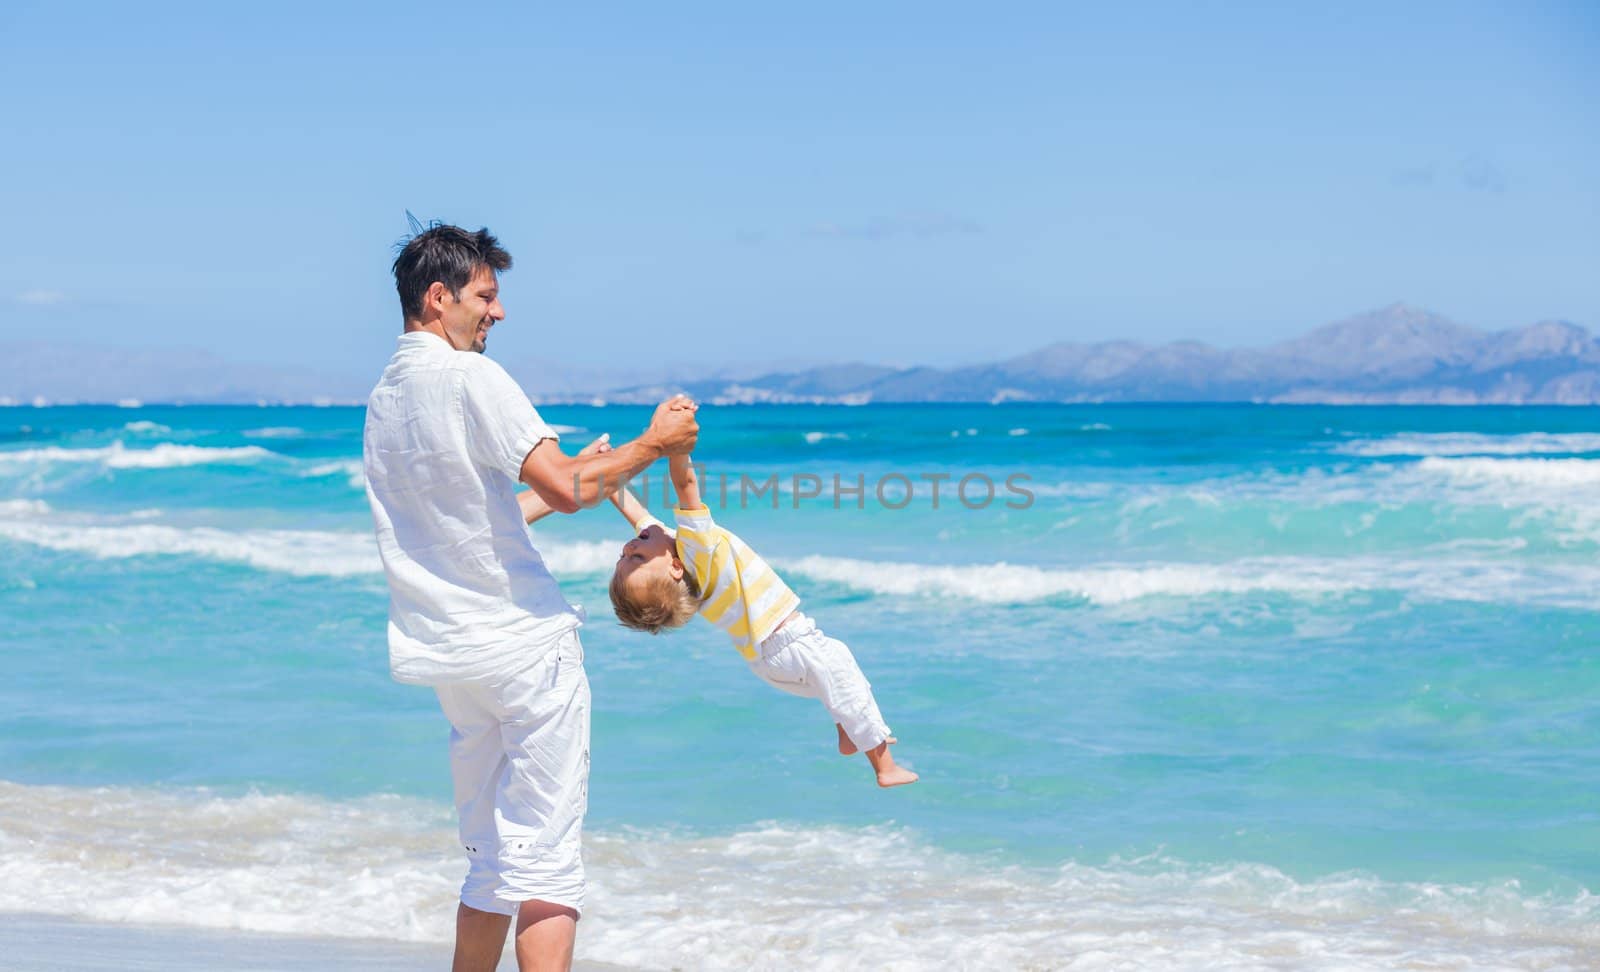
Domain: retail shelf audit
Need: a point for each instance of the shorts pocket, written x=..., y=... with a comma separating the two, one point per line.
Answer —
x=784, y=665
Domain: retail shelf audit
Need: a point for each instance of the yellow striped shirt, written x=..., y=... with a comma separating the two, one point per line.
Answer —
x=739, y=592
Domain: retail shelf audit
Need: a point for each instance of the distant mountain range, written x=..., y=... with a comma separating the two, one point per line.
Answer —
x=1399, y=354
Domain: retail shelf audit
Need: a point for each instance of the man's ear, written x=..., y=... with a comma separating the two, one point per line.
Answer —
x=677, y=569
x=435, y=296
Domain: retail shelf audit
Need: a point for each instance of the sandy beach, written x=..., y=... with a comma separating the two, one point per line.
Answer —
x=43, y=943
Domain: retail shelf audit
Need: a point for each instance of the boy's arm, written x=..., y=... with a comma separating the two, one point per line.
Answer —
x=631, y=509
x=533, y=508
x=684, y=481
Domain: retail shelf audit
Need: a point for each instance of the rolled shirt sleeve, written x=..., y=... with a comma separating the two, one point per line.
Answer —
x=502, y=424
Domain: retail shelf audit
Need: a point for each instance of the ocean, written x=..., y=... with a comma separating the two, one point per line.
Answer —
x=1196, y=687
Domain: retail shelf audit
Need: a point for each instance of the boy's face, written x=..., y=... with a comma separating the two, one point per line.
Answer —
x=651, y=552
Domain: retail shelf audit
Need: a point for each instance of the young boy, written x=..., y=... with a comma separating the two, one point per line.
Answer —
x=662, y=579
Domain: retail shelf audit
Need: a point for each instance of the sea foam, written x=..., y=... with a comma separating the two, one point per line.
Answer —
x=768, y=896
x=812, y=438
x=1568, y=585
x=1472, y=444
x=162, y=455
x=1515, y=472
x=23, y=508
x=351, y=469
x=303, y=553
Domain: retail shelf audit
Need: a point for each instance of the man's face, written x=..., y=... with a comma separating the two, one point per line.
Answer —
x=467, y=320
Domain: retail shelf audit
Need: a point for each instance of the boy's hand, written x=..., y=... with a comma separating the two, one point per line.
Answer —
x=673, y=429
x=599, y=446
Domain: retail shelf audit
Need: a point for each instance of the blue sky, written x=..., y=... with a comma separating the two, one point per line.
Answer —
x=905, y=183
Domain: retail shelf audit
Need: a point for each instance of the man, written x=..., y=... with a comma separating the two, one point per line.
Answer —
x=473, y=611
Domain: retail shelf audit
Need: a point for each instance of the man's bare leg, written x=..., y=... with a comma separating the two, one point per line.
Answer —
x=545, y=933
x=480, y=939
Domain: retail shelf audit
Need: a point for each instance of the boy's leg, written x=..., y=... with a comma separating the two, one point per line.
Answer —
x=848, y=748
x=837, y=680
x=848, y=697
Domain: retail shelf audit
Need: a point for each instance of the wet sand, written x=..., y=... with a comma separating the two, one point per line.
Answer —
x=43, y=943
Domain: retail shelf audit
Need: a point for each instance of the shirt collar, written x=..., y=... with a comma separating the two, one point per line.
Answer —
x=424, y=339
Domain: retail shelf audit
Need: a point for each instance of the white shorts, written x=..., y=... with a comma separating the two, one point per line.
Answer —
x=519, y=754
x=803, y=661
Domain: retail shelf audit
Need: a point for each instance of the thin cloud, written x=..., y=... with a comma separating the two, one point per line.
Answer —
x=1481, y=175
x=1473, y=173
x=1423, y=175
x=41, y=298
x=921, y=225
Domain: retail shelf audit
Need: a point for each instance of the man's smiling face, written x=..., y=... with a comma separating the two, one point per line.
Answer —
x=467, y=319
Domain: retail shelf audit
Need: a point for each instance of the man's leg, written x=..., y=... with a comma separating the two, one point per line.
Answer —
x=541, y=804
x=476, y=764
x=481, y=939
x=545, y=935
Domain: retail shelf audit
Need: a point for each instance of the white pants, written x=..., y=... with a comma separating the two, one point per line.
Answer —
x=519, y=755
x=803, y=661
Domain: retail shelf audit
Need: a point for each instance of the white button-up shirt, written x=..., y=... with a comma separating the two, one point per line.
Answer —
x=469, y=596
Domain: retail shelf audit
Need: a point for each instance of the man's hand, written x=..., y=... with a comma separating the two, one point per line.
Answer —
x=598, y=447
x=673, y=428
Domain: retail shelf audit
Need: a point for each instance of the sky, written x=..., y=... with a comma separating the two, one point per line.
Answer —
x=900, y=183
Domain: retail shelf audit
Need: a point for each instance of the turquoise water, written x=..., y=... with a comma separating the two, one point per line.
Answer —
x=1315, y=641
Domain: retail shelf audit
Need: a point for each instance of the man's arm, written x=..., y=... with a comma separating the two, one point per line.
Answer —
x=535, y=509
x=684, y=482
x=567, y=484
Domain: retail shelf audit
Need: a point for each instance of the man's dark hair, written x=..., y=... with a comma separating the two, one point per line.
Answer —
x=447, y=254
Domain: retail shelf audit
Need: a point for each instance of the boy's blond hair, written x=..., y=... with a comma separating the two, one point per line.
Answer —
x=655, y=603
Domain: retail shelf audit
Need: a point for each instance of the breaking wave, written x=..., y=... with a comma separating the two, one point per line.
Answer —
x=1473, y=444
x=163, y=455
x=1109, y=584
x=1515, y=472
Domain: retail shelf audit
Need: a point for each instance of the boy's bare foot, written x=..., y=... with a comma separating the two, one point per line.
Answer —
x=896, y=776
x=883, y=764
